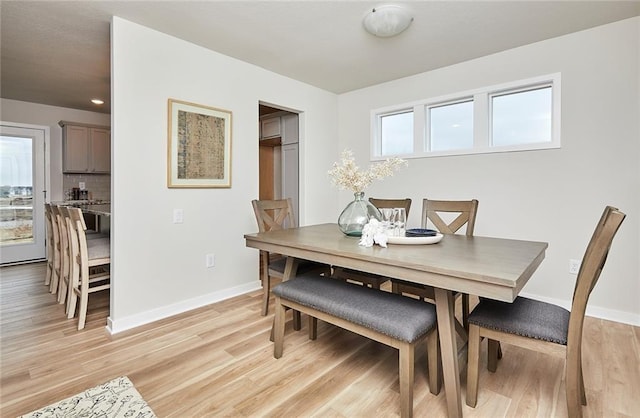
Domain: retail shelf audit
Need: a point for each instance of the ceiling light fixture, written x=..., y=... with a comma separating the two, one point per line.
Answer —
x=388, y=20
x=97, y=101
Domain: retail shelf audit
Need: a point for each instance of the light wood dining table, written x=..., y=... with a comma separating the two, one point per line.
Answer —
x=494, y=268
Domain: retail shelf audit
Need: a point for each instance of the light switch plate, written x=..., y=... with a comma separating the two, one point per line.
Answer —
x=574, y=266
x=178, y=216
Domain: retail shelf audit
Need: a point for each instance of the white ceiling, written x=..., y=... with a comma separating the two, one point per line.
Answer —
x=57, y=52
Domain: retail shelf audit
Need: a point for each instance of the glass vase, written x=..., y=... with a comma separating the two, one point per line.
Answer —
x=356, y=215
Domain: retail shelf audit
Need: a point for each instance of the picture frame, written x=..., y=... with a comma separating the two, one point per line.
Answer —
x=199, y=146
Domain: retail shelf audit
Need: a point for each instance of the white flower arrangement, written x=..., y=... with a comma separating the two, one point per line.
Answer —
x=347, y=174
x=374, y=232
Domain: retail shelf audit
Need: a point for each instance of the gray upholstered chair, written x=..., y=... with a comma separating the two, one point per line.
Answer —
x=542, y=326
x=369, y=279
x=272, y=215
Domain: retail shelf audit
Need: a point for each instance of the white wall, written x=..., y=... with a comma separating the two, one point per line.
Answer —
x=38, y=114
x=158, y=268
x=552, y=195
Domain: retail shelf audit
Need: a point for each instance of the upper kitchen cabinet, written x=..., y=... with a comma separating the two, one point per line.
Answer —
x=85, y=148
x=282, y=125
x=270, y=127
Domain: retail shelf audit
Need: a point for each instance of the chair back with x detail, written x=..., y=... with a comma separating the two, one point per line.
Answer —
x=466, y=209
x=273, y=215
x=433, y=212
x=542, y=326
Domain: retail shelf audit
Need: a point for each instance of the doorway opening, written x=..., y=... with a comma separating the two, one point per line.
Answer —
x=279, y=155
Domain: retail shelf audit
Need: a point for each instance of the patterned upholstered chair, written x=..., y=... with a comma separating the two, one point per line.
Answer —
x=542, y=326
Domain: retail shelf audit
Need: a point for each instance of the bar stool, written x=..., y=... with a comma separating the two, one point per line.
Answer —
x=84, y=258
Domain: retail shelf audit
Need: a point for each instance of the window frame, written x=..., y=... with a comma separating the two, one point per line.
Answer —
x=378, y=126
x=482, y=119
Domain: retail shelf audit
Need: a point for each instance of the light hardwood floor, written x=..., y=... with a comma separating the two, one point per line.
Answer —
x=218, y=361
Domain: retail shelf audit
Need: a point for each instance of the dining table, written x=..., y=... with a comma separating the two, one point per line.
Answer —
x=488, y=267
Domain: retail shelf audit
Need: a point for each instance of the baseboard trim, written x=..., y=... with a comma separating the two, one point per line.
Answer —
x=144, y=318
x=602, y=313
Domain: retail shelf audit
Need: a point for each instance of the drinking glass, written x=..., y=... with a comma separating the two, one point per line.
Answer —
x=400, y=218
x=388, y=220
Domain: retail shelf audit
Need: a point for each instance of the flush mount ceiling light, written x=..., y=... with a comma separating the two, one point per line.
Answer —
x=388, y=20
x=97, y=101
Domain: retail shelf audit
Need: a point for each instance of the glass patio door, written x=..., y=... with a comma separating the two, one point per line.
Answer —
x=22, y=193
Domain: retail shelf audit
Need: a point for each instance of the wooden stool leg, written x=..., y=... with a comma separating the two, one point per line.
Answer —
x=84, y=301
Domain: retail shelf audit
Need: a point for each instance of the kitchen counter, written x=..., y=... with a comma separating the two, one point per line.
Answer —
x=93, y=207
x=97, y=213
x=101, y=210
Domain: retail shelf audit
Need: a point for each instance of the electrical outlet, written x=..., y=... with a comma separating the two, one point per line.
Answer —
x=210, y=260
x=178, y=216
x=574, y=266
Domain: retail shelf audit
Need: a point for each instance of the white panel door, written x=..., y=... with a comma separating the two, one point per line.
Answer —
x=22, y=192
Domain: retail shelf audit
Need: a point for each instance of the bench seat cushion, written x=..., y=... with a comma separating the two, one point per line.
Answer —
x=396, y=316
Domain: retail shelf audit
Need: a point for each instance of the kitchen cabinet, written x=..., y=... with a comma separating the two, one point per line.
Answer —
x=85, y=148
x=289, y=129
x=270, y=127
x=290, y=175
x=282, y=125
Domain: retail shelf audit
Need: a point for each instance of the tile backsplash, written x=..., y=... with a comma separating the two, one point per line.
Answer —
x=98, y=185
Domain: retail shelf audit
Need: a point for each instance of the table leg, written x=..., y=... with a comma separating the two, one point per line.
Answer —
x=446, y=330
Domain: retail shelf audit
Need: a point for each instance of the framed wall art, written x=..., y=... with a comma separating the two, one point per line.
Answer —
x=199, y=151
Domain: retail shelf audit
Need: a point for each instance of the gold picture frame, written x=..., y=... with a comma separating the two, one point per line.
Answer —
x=199, y=149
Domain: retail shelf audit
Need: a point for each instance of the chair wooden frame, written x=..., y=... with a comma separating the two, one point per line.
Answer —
x=65, y=255
x=594, y=259
x=372, y=280
x=273, y=215
x=391, y=203
x=49, y=244
x=55, y=228
x=81, y=282
x=431, y=209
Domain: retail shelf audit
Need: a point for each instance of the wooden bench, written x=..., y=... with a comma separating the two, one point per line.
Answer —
x=398, y=321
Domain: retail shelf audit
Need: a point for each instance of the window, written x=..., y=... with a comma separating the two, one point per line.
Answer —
x=522, y=117
x=450, y=126
x=517, y=116
x=396, y=133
